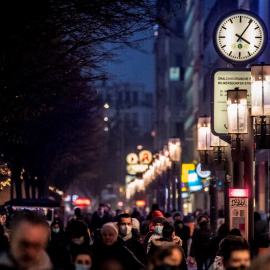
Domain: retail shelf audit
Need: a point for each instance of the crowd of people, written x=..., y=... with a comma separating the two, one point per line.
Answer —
x=126, y=241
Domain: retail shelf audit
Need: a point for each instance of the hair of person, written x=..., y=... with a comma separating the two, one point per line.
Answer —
x=232, y=243
x=29, y=217
x=168, y=229
x=257, y=216
x=124, y=215
x=77, y=211
x=161, y=253
x=235, y=231
x=167, y=214
x=223, y=229
x=199, y=218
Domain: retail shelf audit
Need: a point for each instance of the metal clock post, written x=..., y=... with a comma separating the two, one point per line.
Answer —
x=239, y=38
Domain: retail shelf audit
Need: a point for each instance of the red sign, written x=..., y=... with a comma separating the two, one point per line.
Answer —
x=140, y=203
x=82, y=201
x=238, y=192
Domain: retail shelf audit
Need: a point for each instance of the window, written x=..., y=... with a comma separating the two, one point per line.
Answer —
x=135, y=98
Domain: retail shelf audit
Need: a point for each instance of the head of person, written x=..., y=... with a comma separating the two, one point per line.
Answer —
x=177, y=216
x=109, y=233
x=167, y=257
x=257, y=216
x=79, y=233
x=202, y=222
x=156, y=214
x=235, y=252
x=124, y=224
x=223, y=230
x=56, y=227
x=28, y=239
x=101, y=209
x=235, y=231
x=136, y=224
x=83, y=260
x=77, y=212
x=168, y=230
x=158, y=223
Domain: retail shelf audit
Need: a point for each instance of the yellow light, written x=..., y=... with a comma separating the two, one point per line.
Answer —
x=106, y=106
x=184, y=189
x=106, y=129
x=106, y=119
x=206, y=189
x=139, y=147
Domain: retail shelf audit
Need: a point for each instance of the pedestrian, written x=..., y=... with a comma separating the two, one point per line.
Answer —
x=235, y=252
x=100, y=217
x=261, y=233
x=200, y=246
x=168, y=238
x=168, y=257
x=28, y=242
x=128, y=237
x=181, y=230
x=110, y=249
x=223, y=231
x=155, y=233
x=78, y=237
x=83, y=260
x=4, y=243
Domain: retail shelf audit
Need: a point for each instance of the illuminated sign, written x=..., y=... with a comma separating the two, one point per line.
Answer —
x=194, y=181
x=238, y=192
x=138, y=163
x=186, y=167
x=202, y=174
x=120, y=204
x=136, y=168
x=82, y=201
x=132, y=158
x=140, y=203
x=145, y=157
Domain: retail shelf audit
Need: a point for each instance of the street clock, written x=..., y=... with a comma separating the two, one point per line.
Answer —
x=240, y=37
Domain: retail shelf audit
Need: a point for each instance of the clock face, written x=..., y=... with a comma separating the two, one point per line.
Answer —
x=240, y=37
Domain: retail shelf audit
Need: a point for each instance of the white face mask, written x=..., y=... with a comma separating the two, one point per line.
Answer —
x=78, y=241
x=82, y=267
x=125, y=229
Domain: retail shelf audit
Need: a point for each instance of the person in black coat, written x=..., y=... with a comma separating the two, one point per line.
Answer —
x=181, y=230
x=110, y=250
x=200, y=246
x=128, y=237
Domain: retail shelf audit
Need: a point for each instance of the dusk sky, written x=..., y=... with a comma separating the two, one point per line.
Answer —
x=135, y=66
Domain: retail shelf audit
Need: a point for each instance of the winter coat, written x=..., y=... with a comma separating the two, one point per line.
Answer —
x=135, y=247
x=102, y=252
x=168, y=241
x=200, y=246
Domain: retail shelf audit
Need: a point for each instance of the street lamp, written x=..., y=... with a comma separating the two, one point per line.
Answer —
x=260, y=104
x=174, y=146
x=204, y=140
x=237, y=120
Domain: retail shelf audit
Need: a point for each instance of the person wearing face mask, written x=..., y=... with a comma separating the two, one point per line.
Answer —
x=156, y=233
x=200, y=246
x=181, y=230
x=79, y=237
x=109, y=249
x=128, y=237
x=83, y=260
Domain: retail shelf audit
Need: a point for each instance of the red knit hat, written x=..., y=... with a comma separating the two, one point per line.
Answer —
x=156, y=214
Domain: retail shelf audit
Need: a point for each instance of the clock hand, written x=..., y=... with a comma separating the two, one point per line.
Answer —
x=249, y=23
x=239, y=37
